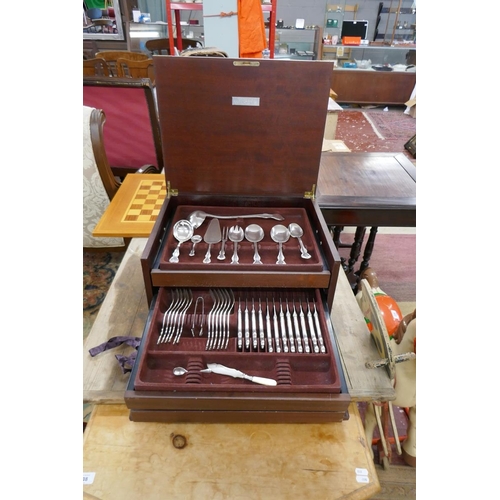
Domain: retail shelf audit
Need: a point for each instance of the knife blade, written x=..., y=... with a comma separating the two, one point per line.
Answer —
x=212, y=236
x=232, y=372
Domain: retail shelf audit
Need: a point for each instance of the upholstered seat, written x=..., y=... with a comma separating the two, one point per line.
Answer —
x=99, y=185
x=132, y=133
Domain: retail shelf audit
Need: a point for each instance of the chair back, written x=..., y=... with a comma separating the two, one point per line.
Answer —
x=161, y=46
x=95, y=67
x=132, y=134
x=99, y=184
x=127, y=68
x=111, y=57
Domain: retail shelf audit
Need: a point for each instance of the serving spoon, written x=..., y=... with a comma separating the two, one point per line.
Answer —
x=296, y=232
x=197, y=217
x=183, y=231
x=280, y=234
x=236, y=235
x=254, y=233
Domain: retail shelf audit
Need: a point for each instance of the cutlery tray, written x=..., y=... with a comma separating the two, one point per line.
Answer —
x=294, y=371
x=268, y=249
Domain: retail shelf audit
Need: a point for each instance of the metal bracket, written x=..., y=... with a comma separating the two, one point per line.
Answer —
x=171, y=191
x=311, y=195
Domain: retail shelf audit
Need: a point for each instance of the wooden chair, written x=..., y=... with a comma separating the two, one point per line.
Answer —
x=159, y=46
x=111, y=56
x=99, y=183
x=127, y=68
x=132, y=134
x=95, y=67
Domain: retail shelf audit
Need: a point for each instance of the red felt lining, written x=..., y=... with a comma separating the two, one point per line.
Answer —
x=268, y=249
x=294, y=371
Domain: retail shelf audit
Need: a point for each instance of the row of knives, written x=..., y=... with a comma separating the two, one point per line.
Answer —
x=263, y=324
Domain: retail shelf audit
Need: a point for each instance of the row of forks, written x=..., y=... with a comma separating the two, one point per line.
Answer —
x=217, y=319
x=281, y=328
x=173, y=319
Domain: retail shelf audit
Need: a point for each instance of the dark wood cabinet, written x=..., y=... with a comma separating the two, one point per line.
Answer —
x=373, y=87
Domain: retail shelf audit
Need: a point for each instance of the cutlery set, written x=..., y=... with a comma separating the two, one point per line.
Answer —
x=258, y=324
x=183, y=231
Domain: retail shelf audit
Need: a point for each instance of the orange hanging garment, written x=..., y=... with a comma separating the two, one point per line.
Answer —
x=251, y=31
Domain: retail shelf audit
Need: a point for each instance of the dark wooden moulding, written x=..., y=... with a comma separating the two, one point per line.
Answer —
x=240, y=137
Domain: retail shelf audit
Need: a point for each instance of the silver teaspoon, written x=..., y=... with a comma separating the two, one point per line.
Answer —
x=179, y=371
x=194, y=240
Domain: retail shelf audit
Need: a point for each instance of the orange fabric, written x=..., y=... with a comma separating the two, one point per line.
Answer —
x=251, y=31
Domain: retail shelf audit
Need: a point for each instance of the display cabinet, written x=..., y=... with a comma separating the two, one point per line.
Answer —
x=334, y=18
x=299, y=44
x=396, y=22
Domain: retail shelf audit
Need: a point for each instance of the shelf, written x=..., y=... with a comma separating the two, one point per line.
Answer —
x=176, y=7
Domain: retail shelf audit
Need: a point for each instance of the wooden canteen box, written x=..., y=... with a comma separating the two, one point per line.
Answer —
x=240, y=137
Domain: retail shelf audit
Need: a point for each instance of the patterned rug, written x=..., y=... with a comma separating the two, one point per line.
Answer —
x=99, y=269
x=373, y=130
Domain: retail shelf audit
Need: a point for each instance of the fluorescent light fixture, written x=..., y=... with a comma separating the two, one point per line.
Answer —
x=144, y=34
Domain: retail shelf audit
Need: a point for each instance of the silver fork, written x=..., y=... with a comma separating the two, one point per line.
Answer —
x=222, y=253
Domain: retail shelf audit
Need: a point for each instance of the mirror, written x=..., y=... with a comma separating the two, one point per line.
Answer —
x=102, y=20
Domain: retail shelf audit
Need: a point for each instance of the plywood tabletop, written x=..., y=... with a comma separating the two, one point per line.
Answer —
x=130, y=460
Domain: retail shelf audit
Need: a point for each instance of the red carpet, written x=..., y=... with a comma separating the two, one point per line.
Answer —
x=375, y=130
x=394, y=261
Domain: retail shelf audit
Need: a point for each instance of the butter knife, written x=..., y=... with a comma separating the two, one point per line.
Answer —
x=231, y=372
x=212, y=236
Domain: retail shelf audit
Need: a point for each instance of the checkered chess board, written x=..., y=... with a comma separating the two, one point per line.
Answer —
x=147, y=202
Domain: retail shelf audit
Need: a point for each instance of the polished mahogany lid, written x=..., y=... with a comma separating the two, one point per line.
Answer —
x=242, y=126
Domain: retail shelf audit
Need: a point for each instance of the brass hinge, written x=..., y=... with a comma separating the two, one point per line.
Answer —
x=311, y=195
x=171, y=191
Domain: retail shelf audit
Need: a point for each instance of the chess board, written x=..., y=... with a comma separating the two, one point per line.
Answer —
x=134, y=208
x=147, y=201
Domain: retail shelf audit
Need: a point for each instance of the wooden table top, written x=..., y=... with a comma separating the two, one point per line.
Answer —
x=367, y=189
x=125, y=310
x=130, y=460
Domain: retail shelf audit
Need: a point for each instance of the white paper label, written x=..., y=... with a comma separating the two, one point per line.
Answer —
x=361, y=472
x=362, y=479
x=246, y=101
x=88, y=477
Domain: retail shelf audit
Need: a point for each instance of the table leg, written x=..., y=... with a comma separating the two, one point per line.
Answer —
x=355, y=249
x=370, y=244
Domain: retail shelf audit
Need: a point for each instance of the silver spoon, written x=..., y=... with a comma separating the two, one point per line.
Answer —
x=195, y=239
x=197, y=217
x=296, y=232
x=254, y=233
x=179, y=370
x=183, y=231
x=280, y=234
x=236, y=235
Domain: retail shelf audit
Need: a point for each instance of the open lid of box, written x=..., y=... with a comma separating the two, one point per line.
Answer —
x=242, y=126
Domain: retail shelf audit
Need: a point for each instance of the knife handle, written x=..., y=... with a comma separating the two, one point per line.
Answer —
x=262, y=380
